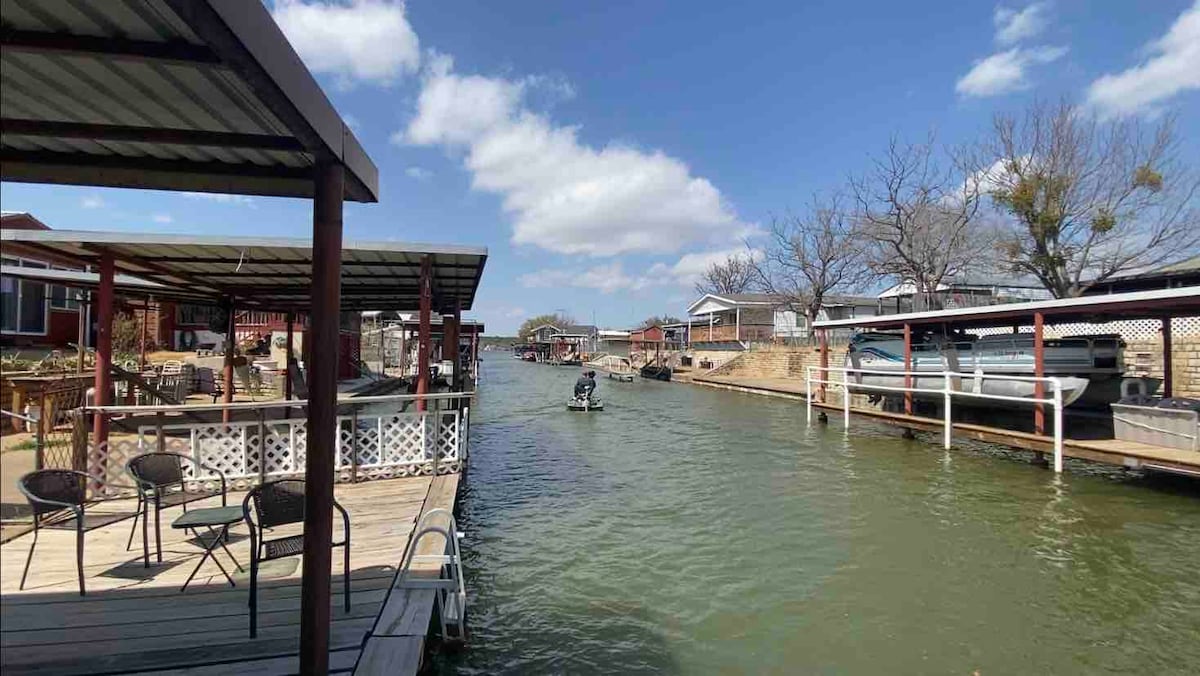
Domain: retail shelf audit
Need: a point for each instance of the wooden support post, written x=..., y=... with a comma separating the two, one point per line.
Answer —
x=710, y=326
x=145, y=327
x=908, y=366
x=85, y=308
x=287, y=361
x=324, y=322
x=104, y=319
x=230, y=341
x=1168, y=379
x=424, y=330
x=475, y=353
x=1039, y=370
x=737, y=323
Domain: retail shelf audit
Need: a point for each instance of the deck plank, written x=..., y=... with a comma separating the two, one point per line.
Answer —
x=135, y=619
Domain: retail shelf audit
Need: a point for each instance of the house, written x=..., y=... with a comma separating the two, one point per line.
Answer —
x=968, y=290
x=646, y=339
x=732, y=321
x=1183, y=273
x=34, y=313
x=791, y=324
x=613, y=341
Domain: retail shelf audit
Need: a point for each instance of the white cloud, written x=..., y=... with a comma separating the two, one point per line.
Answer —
x=162, y=218
x=1005, y=71
x=612, y=277
x=418, y=173
x=1173, y=67
x=221, y=198
x=92, y=202
x=1013, y=25
x=564, y=195
x=363, y=41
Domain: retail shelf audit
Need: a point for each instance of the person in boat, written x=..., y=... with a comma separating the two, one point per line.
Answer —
x=586, y=385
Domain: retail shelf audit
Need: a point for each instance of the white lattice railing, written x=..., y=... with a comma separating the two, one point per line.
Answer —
x=370, y=445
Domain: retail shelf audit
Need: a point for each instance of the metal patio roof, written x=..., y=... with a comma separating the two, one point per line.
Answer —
x=1181, y=302
x=270, y=273
x=124, y=285
x=194, y=95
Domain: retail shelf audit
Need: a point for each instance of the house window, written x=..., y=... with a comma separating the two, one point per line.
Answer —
x=64, y=298
x=23, y=307
x=195, y=314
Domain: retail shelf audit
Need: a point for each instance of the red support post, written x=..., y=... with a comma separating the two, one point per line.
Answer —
x=230, y=342
x=322, y=417
x=1039, y=370
x=424, y=330
x=450, y=331
x=1168, y=379
x=908, y=366
x=104, y=319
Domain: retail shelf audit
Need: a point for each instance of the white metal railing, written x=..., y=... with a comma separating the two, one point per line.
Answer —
x=947, y=391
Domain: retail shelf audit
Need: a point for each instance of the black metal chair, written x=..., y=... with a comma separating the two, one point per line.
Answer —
x=52, y=491
x=160, y=480
x=278, y=503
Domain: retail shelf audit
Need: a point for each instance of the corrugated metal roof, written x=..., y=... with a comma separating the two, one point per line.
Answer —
x=202, y=95
x=1182, y=302
x=272, y=273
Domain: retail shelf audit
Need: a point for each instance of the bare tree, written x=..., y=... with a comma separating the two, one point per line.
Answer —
x=1087, y=199
x=811, y=257
x=918, y=217
x=733, y=275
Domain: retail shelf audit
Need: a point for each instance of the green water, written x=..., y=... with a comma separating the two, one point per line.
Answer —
x=689, y=530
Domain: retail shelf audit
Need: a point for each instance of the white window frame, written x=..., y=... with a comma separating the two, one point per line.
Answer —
x=30, y=263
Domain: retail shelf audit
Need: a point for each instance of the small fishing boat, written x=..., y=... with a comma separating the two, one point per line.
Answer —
x=617, y=367
x=585, y=404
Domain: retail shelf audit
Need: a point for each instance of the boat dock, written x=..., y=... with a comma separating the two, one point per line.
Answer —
x=136, y=619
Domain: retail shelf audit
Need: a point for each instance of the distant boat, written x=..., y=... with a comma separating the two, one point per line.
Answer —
x=656, y=372
x=1091, y=363
x=615, y=366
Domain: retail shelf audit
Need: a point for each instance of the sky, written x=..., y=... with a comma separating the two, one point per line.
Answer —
x=605, y=153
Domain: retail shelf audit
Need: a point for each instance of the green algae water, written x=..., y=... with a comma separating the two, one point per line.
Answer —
x=690, y=530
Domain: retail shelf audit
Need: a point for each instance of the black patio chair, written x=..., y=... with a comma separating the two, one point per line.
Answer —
x=52, y=492
x=160, y=481
x=278, y=503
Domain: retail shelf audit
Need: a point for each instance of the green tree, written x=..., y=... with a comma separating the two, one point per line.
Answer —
x=557, y=319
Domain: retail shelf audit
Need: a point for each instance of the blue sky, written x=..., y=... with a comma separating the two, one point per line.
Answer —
x=604, y=152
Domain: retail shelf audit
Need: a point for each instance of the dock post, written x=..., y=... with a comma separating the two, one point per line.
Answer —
x=424, y=331
x=908, y=379
x=230, y=342
x=846, y=402
x=808, y=395
x=1058, y=427
x=325, y=317
x=103, y=379
x=947, y=425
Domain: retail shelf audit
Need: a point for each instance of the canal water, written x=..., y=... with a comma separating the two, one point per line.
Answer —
x=691, y=530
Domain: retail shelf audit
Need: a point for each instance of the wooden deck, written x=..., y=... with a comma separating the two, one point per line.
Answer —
x=1130, y=454
x=136, y=619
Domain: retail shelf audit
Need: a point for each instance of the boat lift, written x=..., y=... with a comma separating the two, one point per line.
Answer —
x=947, y=392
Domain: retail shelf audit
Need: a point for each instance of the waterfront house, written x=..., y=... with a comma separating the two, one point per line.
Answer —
x=958, y=291
x=732, y=321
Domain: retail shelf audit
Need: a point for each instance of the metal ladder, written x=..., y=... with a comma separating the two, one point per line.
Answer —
x=450, y=591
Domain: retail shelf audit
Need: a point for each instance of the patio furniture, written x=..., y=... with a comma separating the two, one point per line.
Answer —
x=172, y=367
x=160, y=479
x=274, y=504
x=211, y=518
x=56, y=490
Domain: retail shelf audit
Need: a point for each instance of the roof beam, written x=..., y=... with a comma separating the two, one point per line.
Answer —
x=112, y=132
x=173, y=52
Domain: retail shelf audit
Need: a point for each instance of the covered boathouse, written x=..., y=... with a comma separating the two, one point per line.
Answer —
x=209, y=96
x=1167, y=309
